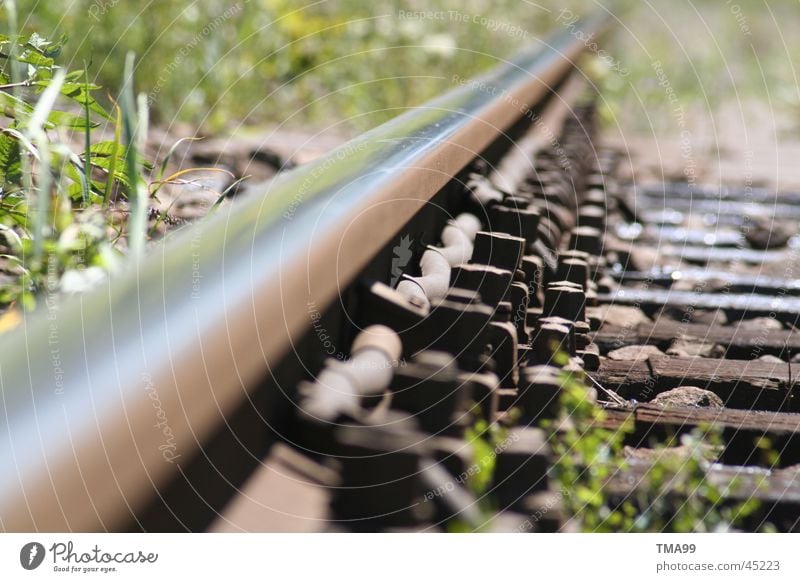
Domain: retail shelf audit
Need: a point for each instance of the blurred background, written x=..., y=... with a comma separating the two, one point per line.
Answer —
x=215, y=65
x=693, y=90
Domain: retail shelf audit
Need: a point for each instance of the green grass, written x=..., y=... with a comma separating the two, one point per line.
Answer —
x=343, y=63
x=675, y=494
x=216, y=65
x=58, y=204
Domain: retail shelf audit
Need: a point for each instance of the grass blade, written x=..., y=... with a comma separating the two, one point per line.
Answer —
x=227, y=191
x=45, y=104
x=135, y=130
x=112, y=170
x=87, y=164
x=173, y=177
x=37, y=135
x=162, y=170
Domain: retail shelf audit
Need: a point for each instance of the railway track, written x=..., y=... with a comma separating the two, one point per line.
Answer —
x=334, y=352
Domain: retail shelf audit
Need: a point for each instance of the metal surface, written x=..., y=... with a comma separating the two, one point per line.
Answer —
x=106, y=395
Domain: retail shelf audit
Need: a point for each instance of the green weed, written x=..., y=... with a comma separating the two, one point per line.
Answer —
x=675, y=494
x=59, y=209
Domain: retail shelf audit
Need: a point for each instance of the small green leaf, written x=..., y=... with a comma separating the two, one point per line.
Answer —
x=33, y=57
x=10, y=161
x=45, y=47
x=65, y=119
x=114, y=165
x=11, y=105
x=81, y=94
x=106, y=148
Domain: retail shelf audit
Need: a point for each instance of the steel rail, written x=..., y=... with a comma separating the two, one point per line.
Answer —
x=106, y=395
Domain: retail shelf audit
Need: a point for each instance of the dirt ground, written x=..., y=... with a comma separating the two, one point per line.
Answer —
x=735, y=145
